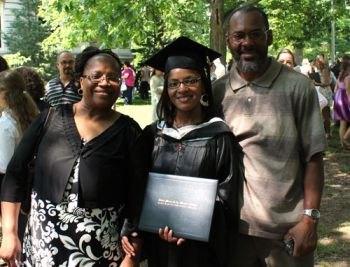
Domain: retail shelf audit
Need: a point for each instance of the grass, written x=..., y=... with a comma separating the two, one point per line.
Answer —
x=140, y=110
x=334, y=227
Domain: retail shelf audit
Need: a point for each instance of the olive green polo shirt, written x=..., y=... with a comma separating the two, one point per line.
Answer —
x=277, y=121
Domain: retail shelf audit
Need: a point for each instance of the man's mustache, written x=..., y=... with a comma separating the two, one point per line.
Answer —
x=246, y=49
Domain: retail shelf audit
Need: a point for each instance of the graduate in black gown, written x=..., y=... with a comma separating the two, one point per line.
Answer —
x=187, y=140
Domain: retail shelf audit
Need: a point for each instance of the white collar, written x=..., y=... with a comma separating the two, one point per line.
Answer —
x=179, y=133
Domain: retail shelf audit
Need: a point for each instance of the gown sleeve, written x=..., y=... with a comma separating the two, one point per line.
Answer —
x=226, y=213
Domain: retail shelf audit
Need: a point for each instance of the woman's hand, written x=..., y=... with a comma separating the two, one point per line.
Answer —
x=11, y=249
x=131, y=247
x=167, y=235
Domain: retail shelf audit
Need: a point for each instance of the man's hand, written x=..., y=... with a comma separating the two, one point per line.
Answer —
x=304, y=234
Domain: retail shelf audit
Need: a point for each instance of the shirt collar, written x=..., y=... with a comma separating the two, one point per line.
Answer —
x=237, y=82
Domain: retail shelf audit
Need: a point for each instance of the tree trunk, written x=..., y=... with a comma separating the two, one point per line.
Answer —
x=217, y=39
x=298, y=55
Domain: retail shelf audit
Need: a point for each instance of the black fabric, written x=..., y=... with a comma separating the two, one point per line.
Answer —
x=2, y=175
x=218, y=157
x=315, y=76
x=103, y=167
x=182, y=53
x=26, y=203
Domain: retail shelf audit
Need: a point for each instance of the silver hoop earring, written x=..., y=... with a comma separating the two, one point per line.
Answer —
x=204, y=100
x=80, y=91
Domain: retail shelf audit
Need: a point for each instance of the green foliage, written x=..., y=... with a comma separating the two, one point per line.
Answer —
x=24, y=38
x=16, y=60
x=305, y=24
x=145, y=25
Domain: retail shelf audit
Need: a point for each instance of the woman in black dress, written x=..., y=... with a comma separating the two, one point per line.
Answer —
x=81, y=172
x=188, y=141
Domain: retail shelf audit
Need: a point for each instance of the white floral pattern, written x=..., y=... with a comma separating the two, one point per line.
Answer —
x=65, y=235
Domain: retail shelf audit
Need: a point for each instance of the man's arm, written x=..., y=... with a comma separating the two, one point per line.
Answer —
x=304, y=233
x=313, y=182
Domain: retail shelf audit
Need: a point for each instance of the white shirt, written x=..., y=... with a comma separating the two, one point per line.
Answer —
x=9, y=139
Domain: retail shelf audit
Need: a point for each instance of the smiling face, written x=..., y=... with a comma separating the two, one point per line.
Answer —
x=104, y=93
x=186, y=97
x=248, y=40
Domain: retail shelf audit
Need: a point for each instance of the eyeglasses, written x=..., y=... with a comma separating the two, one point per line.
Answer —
x=68, y=62
x=255, y=36
x=187, y=82
x=97, y=78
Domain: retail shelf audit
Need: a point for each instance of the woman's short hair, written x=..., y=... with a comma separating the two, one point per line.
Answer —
x=83, y=58
x=127, y=63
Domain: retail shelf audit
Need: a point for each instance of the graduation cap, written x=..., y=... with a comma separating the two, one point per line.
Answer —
x=183, y=53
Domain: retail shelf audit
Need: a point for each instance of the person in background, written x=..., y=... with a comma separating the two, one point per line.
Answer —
x=145, y=82
x=34, y=86
x=128, y=75
x=335, y=68
x=341, y=110
x=286, y=57
x=17, y=111
x=81, y=175
x=62, y=89
x=274, y=113
x=188, y=140
x=3, y=64
x=156, y=85
x=325, y=90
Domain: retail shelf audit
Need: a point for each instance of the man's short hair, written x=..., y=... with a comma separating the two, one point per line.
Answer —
x=246, y=9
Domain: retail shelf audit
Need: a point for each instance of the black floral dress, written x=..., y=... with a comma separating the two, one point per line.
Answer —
x=65, y=235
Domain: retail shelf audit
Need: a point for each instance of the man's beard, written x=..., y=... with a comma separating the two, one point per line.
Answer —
x=249, y=66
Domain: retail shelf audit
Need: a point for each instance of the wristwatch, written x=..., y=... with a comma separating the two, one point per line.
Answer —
x=313, y=213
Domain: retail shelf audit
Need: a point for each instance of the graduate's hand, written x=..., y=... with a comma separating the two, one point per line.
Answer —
x=130, y=249
x=167, y=235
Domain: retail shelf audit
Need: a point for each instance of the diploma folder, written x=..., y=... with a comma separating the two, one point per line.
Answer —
x=185, y=204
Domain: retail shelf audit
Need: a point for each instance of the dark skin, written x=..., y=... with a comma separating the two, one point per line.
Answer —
x=65, y=66
x=92, y=115
x=304, y=233
x=249, y=50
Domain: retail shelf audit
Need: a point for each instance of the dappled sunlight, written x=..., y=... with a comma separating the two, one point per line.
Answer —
x=345, y=230
x=334, y=227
